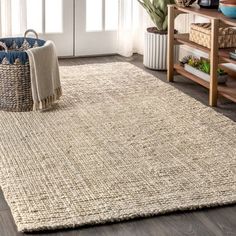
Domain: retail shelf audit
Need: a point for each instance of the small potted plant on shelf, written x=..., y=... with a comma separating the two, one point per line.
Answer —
x=155, y=51
x=201, y=67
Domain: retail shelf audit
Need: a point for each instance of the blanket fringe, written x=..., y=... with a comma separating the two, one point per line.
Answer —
x=46, y=103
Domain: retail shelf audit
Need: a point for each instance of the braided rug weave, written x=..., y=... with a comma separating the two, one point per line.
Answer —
x=121, y=144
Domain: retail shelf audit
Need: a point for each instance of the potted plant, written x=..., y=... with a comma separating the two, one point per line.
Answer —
x=201, y=68
x=155, y=50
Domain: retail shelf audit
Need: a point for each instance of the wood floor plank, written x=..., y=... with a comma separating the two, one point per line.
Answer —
x=183, y=224
x=209, y=224
x=3, y=204
x=220, y=221
x=7, y=225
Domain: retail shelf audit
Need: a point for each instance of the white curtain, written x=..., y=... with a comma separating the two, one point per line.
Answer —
x=133, y=22
x=13, y=17
x=5, y=18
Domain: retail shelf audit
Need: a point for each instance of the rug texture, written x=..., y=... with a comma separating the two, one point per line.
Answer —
x=119, y=145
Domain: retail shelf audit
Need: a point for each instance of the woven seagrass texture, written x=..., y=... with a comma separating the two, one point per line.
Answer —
x=184, y=3
x=200, y=33
x=15, y=88
x=121, y=144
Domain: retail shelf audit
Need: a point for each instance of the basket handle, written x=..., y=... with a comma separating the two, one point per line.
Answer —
x=3, y=45
x=31, y=31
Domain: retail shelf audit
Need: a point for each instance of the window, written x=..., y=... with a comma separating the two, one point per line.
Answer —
x=101, y=15
x=44, y=16
x=94, y=15
x=34, y=15
x=53, y=16
x=111, y=14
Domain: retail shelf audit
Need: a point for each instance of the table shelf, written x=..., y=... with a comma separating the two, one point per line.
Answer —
x=216, y=55
x=180, y=70
x=223, y=53
x=184, y=39
x=227, y=90
x=206, y=13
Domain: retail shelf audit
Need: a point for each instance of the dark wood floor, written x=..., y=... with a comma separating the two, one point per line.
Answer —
x=208, y=222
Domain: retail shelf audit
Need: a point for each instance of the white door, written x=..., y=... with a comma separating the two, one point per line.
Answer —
x=96, y=24
x=58, y=24
x=52, y=19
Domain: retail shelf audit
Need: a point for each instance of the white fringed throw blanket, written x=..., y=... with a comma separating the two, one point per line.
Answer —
x=45, y=77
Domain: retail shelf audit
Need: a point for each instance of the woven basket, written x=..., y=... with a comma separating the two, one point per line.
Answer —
x=15, y=82
x=184, y=3
x=200, y=33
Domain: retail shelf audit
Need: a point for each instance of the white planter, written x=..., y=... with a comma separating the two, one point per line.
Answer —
x=221, y=79
x=155, y=51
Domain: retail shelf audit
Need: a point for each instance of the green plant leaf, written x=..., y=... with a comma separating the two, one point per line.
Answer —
x=158, y=11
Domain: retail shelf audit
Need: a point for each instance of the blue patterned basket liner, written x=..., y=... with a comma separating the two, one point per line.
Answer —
x=17, y=48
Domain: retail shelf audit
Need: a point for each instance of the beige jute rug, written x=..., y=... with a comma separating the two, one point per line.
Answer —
x=119, y=145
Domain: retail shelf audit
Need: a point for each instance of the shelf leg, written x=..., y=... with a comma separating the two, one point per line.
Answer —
x=170, y=49
x=214, y=59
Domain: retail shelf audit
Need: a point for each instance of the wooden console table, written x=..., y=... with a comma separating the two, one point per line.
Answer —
x=216, y=55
